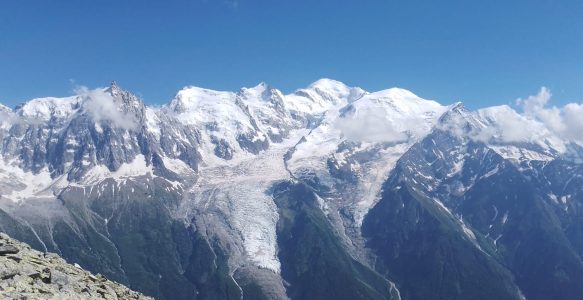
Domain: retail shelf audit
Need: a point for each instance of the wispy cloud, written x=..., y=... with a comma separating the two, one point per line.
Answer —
x=6, y=117
x=534, y=120
x=102, y=107
x=380, y=125
x=369, y=126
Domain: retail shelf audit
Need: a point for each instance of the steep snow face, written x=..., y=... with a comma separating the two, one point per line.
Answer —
x=460, y=122
x=17, y=185
x=153, y=122
x=267, y=106
x=137, y=167
x=229, y=131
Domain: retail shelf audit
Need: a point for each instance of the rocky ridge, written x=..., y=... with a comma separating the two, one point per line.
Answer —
x=29, y=274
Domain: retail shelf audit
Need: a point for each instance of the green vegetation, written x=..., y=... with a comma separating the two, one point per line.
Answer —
x=314, y=262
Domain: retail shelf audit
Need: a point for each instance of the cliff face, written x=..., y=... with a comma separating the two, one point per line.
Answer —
x=30, y=274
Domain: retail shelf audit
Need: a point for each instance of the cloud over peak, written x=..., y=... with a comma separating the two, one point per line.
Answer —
x=102, y=107
x=566, y=121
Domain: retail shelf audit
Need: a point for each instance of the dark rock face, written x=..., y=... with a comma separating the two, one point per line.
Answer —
x=72, y=145
x=8, y=249
x=252, y=144
x=424, y=250
x=314, y=262
x=123, y=230
x=508, y=212
x=129, y=236
x=222, y=148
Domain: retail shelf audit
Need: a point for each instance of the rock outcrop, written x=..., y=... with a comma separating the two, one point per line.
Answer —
x=29, y=274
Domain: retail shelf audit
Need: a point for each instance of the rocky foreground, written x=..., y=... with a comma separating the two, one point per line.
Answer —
x=29, y=274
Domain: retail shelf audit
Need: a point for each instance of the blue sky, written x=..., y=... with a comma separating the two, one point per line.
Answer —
x=479, y=52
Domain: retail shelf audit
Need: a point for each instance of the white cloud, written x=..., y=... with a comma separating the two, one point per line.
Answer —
x=102, y=107
x=535, y=103
x=372, y=126
x=566, y=122
x=536, y=122
x=9, y=118
x=573, y=120
x=505, y=125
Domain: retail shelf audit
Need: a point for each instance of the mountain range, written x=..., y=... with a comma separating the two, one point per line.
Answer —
x=330, y=192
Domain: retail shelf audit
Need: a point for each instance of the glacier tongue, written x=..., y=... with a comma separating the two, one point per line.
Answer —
x=239, y=191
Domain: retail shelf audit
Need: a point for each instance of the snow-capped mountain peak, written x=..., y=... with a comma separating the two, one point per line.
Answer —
x=321, y=96
x=261, y=93
x=336, y=90
x=256, y=91
x=330, y=87
x=401, y=101
x=396, y=93
x=126, y=100
x=46, y=108
x=460, y=121
x=192, y=97
x=393, y=113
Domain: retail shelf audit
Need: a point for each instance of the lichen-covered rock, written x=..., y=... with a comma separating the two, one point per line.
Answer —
x=29, y=274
